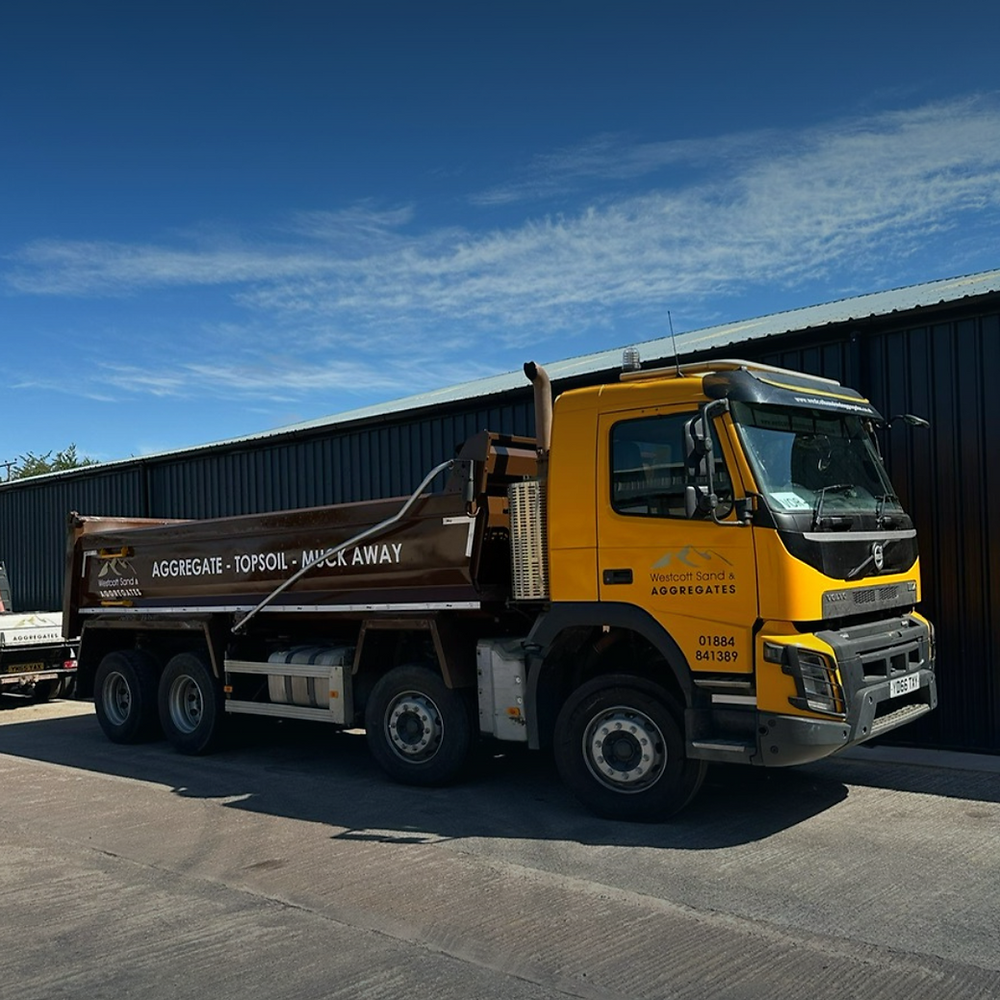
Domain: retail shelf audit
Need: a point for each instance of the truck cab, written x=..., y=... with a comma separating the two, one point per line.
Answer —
x=728, y=534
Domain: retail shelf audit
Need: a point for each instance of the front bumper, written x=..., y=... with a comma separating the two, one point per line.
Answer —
x=783, y=740
x=875, y=661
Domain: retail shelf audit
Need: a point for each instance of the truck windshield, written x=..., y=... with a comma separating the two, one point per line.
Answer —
x=804, y=458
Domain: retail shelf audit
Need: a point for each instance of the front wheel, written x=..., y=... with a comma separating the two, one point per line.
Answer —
x=619, y=748
x=419, y=731
x=190, y=704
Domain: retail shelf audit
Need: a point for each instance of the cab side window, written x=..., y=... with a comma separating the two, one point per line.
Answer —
x=652, y=463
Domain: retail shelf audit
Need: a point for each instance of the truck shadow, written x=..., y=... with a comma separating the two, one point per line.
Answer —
x=305, y=772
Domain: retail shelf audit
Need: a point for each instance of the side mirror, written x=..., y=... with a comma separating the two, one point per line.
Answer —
x=910, y=418
x=698, y=500
x=697, y=444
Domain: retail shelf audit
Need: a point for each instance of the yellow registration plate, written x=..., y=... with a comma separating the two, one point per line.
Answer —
x=24, y=668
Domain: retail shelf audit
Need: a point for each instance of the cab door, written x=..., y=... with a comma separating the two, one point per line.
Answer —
x=694, y=576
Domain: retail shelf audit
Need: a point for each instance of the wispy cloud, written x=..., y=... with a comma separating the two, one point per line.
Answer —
x=643, y=226
x=615, y=158
x=81, y=268
x=279, y=378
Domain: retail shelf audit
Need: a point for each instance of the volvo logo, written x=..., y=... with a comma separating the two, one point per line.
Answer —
x=878, y=555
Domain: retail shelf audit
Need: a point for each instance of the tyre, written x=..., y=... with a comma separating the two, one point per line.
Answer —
x=43, y=691
x=125, y=696
x=419, y=731
x=619, y=747
x=190, y=701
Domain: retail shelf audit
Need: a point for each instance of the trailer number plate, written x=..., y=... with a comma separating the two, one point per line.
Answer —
x=24, y=668
x=903, y=685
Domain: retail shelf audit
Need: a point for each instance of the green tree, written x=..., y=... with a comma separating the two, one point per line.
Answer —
x=37, y=465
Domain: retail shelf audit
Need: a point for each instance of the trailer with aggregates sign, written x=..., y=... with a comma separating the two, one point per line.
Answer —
x=702, y=563
x=36, y=660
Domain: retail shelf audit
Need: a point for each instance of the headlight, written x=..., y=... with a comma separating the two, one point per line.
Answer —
x=816, y=681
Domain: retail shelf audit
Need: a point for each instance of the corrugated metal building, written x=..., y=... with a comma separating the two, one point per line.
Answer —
x=931, y=349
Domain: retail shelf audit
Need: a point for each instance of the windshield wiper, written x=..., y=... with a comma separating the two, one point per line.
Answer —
x=821, y=497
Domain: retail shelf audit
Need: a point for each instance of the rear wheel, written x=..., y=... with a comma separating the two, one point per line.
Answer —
x=619, y=747
x=125, y=696
x=190, y=701
x=419, y=730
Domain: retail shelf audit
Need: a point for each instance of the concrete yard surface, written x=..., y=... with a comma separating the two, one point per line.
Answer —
x=287, y=866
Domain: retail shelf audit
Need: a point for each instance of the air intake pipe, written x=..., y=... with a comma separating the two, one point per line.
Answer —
x=543, y=415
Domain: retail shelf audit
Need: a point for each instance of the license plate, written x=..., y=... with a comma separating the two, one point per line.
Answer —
x=903, y=685
x=24, y=668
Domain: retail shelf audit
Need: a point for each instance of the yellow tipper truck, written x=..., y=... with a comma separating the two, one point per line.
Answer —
x=702, y=563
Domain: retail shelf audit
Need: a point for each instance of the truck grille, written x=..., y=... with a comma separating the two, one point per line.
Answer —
x=528, y=541
x=860, y=600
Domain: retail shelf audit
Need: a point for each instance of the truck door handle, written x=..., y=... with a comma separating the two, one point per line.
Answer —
x=612, y=576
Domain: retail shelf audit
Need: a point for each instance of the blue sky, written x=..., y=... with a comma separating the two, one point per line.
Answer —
x=222, y=218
